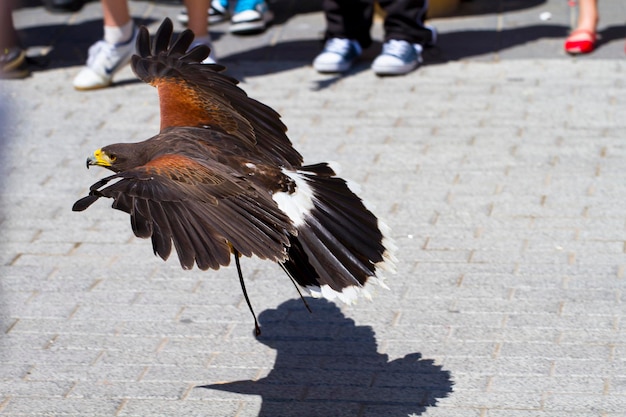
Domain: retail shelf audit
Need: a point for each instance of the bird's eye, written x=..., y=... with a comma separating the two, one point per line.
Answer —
x=112, y=158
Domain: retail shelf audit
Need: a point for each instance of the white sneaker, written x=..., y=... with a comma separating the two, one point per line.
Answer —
x=104, y=61
x=338, y=55
x=398, y=57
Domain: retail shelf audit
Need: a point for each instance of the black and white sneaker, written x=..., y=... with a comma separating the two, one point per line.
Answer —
x=250, y=16
x=218, y=13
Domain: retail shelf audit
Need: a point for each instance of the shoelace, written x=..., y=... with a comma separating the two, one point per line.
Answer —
x=397, y=48
x=98, y=51
x=338, y=46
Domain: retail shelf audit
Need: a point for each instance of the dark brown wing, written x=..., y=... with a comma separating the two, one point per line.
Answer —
x=198, y=95
x=202, y=209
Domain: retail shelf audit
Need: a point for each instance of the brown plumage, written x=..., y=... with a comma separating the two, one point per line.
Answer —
x=222, y=177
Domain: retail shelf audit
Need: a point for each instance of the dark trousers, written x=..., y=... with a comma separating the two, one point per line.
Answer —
x=352, y=19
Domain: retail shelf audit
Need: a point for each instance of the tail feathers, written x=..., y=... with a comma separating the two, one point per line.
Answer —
x=340, y=246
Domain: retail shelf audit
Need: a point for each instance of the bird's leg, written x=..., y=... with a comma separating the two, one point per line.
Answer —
x=293, y=281
x=257, y=328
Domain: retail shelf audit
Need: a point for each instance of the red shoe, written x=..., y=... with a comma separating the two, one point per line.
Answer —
x=580, y=44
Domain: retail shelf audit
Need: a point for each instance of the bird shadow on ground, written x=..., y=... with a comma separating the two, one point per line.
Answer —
x=327, y=365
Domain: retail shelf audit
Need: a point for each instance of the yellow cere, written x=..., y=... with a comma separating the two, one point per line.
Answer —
x=102, y=158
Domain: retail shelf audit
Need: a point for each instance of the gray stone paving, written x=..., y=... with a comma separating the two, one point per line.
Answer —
x=499, y=165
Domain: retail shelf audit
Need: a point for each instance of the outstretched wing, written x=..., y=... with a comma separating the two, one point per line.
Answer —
x=204, y=210
x=198, y=95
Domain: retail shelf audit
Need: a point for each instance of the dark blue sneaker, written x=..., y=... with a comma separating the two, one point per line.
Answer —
x=397, y=58
x=338, y=55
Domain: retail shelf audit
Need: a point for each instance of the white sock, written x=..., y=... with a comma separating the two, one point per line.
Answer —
x=119, y=34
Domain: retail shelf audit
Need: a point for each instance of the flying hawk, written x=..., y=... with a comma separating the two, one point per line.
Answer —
x=222, y=178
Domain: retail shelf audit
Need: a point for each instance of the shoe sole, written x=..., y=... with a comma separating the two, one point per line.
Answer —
x=14, y=74
x=15, y=69
x=97, y=87
x=253, y=26
x=394, y=70
x=331, y=69
x=15, y=64
x=579, y=50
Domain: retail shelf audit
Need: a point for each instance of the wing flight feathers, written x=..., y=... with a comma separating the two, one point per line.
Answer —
x=202, y=210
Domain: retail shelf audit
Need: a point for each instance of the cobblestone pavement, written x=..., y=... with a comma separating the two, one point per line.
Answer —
x=499, y=165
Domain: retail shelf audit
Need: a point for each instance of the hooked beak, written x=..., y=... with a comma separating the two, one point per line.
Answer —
x=99, y=158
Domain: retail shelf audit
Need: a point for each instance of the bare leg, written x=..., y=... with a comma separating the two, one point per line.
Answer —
x=587, y=17
x=115, y=12
x=8, y=35
x=12, y=56
x=108, y=57
x=582, y=40
x=198, y=12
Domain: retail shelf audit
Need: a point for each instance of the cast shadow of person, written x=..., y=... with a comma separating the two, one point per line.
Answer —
x=326, y=365
x=62, y=45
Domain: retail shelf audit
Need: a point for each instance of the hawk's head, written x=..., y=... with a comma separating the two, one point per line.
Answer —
x=118, y=157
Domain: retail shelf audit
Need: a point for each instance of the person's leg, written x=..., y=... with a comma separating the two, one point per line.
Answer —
x=587, y=15
x=405, y=36
x=118, y=25
x=348, y=24
x=349, y=19
x=198, y=12
x=404, y=20
x=8, y=35
x=115, y=12
x=107, y=56
x=582, y=40
x=12, y=55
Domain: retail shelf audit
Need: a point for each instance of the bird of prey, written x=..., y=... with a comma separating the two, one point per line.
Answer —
x=222, y=178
